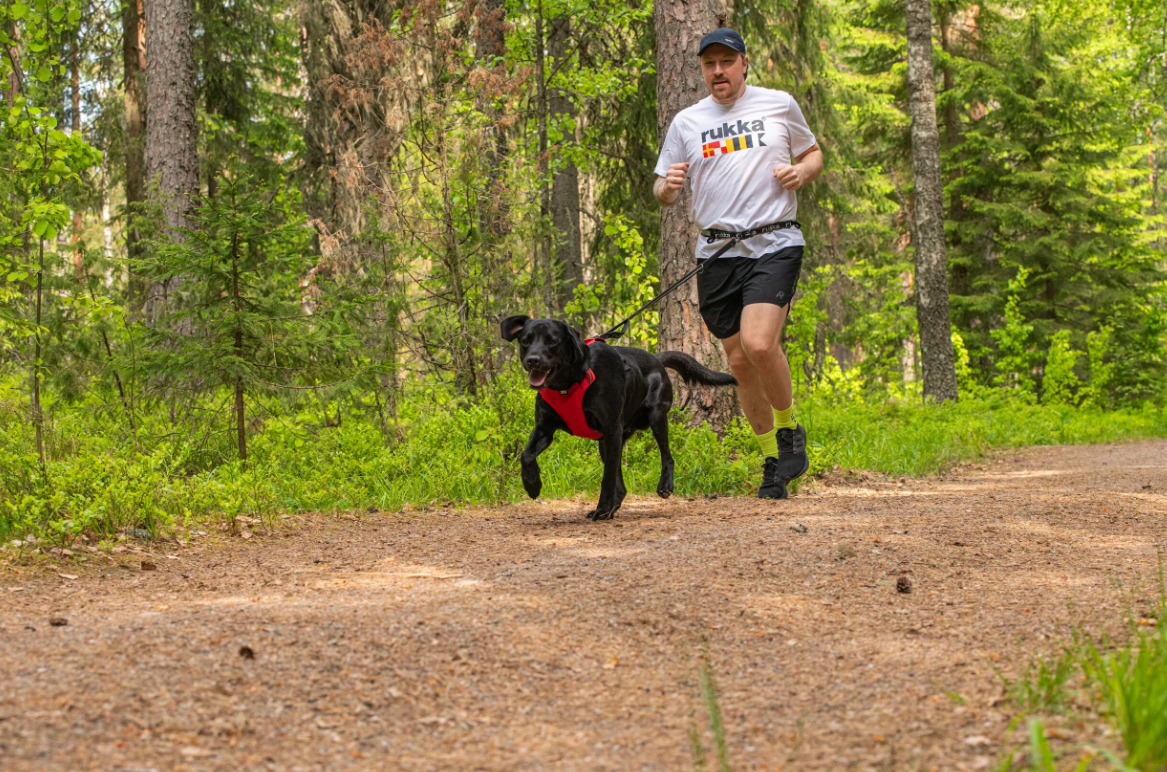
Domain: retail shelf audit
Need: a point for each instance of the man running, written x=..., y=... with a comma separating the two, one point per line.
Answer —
x=746, y=151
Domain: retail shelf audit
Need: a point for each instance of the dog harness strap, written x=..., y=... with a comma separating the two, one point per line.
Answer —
x=716, y=234
x=569, y=404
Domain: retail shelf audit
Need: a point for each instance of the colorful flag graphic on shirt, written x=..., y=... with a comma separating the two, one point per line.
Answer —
x=727, y=145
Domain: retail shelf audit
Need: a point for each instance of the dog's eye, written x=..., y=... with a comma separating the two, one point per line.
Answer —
x=525, y=340
x=552, y=342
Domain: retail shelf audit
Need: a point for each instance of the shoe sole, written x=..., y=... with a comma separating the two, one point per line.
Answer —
x=785, y=495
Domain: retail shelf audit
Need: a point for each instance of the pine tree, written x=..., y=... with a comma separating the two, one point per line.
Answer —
x=246, y=331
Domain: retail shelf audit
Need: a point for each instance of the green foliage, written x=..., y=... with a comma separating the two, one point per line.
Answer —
x=1132, y=680
x=964, y=374
x=239, y=319
x=1059, y=383
x=637, y=288
x=1128, y=682
x=1015, y=352
x=1042, y=756
x=303, y=458
x=1041, y=686
x=712, y=705
x=39, y=159
x=1098, y=352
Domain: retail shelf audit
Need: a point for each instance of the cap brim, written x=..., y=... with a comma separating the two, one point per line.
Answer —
x=730, y=46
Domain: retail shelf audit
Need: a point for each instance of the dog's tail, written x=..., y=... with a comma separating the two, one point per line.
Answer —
x=693, y=371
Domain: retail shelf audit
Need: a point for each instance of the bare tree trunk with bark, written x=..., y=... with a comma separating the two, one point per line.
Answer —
x=936, y=353
x=568, y=258
x=679, y=28
x=75, y=94
x=171, y=126
x=489, y=46
x=134, y=70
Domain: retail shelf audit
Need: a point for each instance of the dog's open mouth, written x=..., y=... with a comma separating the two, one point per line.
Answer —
x=537, y=377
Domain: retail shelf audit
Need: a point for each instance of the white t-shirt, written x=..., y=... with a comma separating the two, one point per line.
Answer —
x=732, y=152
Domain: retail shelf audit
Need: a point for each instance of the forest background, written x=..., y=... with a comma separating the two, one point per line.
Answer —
x=255, y=254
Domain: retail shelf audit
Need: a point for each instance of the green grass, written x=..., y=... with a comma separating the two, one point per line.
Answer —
x=454, y=452
x=1125, y=684
x=1041, y=687
x=712, y=707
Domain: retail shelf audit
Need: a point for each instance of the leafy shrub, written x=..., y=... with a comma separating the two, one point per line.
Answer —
x=1059, y=384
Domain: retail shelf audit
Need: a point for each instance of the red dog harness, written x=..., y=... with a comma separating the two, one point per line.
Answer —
x=569, y=404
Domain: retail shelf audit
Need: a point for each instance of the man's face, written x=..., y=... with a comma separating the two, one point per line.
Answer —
x=724, y=71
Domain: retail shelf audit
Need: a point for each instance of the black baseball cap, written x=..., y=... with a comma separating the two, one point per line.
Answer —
x=725, y=37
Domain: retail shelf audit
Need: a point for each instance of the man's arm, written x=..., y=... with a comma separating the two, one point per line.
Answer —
x=806, y=169
x=667, y=188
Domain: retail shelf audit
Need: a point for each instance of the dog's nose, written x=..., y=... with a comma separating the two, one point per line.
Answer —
x=531, y=361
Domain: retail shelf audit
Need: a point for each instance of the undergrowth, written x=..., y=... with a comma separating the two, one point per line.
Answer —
x=176, y=471
x=1121, y=682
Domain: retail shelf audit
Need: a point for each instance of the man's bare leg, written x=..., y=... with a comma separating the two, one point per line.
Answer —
x=759, y=364
x=765, y=389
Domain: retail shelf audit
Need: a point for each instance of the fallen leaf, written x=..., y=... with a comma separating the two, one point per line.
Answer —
x=246, y=533
x=611, y=664
x=58, y=621
x=149, y=566
x=67, y=576
x=977, y=739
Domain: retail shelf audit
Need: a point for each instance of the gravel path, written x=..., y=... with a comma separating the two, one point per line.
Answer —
x=527, y=638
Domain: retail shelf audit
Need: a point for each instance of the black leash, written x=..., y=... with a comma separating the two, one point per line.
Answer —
x=711, y=235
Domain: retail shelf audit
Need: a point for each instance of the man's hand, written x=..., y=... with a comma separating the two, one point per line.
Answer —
x=789, y=176
x=807, y=169
x=667, y=188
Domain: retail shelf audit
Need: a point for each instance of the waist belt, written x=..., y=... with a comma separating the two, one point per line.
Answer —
x=716, y=234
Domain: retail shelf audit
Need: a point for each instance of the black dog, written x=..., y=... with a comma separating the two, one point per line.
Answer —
x=623, y=390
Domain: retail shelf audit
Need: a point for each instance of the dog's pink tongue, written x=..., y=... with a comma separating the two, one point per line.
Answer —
x=536, y=380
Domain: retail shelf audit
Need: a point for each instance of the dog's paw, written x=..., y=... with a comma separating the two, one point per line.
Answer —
x=596, y=515
x=664, y=490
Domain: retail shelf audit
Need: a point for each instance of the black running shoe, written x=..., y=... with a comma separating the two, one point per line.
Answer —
x=773, y=484
x=792, y=459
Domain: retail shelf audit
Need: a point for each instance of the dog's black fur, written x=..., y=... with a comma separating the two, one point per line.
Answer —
x=632, y=391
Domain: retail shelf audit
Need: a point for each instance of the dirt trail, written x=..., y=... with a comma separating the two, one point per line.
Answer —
x=527, y=638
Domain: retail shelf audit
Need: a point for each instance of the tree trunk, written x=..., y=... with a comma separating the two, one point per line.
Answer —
x=38, y=416
x=134, y=66
x=75, y=95
x=546, y=265
x=489, y=45
x=679, y=27
x=937, y=356
x=568, y=262
x=171, y=127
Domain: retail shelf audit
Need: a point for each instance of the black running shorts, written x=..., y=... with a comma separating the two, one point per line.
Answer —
x=732, y=283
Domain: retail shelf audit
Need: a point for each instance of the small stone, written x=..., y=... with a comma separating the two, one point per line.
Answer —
x=149, y=566
x=904, y=585
x=246, y=652
x=844, y=552
x=58, y=622
x=798, y=528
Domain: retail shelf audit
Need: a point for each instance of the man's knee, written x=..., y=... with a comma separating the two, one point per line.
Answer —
x=759, y=349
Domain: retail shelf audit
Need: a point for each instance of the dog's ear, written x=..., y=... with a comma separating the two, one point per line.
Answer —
x=513, y=325
x=576, y=338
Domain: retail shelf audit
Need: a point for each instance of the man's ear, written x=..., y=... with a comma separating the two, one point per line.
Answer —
x=513, y=325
